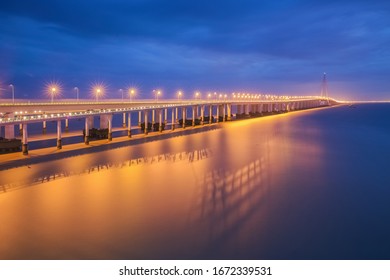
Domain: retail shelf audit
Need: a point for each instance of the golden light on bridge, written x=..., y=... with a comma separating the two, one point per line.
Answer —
x=98, y=90
x=132, y=92
x=53, y=89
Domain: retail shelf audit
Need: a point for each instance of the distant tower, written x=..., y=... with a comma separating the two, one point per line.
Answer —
x=324, y=88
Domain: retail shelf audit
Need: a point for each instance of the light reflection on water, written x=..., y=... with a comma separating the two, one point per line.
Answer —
x=268, y=188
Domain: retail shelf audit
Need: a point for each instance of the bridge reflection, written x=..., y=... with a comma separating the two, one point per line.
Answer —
x=227, y=199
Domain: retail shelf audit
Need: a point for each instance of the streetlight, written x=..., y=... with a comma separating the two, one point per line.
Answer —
x=157, y=93
x=196, y=95
x=131, y=93
x=53, y=90
x=98, y=91
x=179, y=95
x=13, y=92
x=77, y=93
x=121, y=91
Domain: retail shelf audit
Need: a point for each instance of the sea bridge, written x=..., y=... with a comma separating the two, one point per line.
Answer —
x=149, y=113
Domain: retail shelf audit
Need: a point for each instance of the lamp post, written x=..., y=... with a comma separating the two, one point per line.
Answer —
x=121, y=91
x=53, y=90
x=131, y=92
x=77, y=93
x=179, y=95
x=157, y=93
x=98, y=91
x=13, y=92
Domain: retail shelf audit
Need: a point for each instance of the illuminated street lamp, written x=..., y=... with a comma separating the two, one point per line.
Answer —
x=179, y=95
x=131, y=93
x=121, y=91
x=53, y=91
x=13, y=92
x=98, y=92
x=197, y=94
x=157, y=93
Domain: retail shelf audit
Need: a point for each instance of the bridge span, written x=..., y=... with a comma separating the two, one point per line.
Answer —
x=150, y=113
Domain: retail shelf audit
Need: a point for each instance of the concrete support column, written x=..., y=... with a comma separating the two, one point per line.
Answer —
x=165, y=116
x=193, y=115
x=173, y=118
x=177, y=114
x=129, y=124
x=139, y=118
x=183, y=114
x=66, y=124
x=218, y=113
x=229, y=112
x=44, y=127
x=124, y=120
x=146, y=121
x=210, y=114
x=59, y=136
x=202, y=115
x=224, y=112
x=20, y=129
x=9, y=131
x=109, y=119
x=25, y=140
x=260, y=108
x=153, y=117
x=86, y=137
x=160, y=119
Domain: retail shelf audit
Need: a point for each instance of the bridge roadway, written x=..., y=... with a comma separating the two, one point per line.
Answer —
x=23, y=113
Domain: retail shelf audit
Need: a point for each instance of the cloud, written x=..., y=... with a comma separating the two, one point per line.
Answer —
x=223, y=44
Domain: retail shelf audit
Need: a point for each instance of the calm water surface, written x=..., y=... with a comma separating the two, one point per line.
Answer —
x=305, y=185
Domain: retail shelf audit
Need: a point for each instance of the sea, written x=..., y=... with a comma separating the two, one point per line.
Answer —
x=305, y=185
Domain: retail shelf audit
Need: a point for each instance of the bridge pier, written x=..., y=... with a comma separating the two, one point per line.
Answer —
x=66, y=124
x=59, y=140
x=229, y=112
x=165, y=116
x=146, y=121
x=139, y=118
x=217, y=113
x=44, y=127
x=173, y=118
x=106, y=123
x=210, y=114
x=193, y=115
x=153, y=117
x=129, y=124
x=183, y=114
x=202, y=114
x=160, y=120
x=86, y=136
x=20, y=129
x=177, y=114
x=124, y=120
x=25, y=140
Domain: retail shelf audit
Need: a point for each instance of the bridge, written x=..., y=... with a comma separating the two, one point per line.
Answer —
x=149, y=113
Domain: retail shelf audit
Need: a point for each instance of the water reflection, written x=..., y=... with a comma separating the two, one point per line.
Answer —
x=228, y=198
x=47, y=175
x=277, y=188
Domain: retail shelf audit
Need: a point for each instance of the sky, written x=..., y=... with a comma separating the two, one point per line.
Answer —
x=280, y=47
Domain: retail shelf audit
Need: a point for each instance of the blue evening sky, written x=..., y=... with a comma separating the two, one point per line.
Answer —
x=280, y=47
